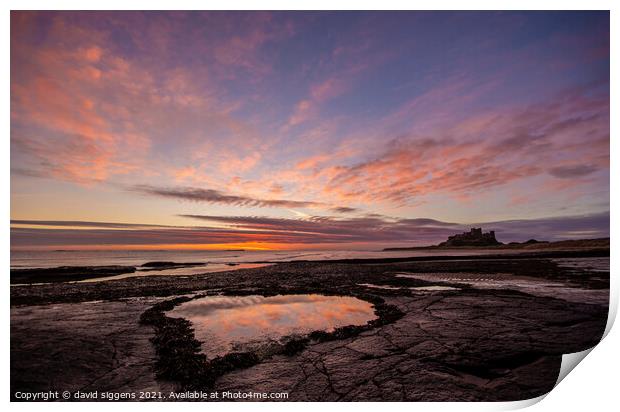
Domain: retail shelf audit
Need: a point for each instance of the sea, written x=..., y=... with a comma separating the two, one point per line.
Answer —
x=217, y=261
x=55, y=258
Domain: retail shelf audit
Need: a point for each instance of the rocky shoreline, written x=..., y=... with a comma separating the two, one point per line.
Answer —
x=460, y=343
x=77, y=273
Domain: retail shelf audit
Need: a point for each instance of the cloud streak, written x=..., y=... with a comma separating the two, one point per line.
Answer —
x=214, y=196
x=316, y=231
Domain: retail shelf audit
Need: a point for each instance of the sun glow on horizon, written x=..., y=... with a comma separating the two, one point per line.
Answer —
x=250, y=246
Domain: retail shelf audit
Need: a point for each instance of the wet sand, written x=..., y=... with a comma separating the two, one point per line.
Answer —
x=453, y=340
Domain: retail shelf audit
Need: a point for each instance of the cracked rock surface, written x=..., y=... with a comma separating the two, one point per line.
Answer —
x=82, y=347
x=457, y=345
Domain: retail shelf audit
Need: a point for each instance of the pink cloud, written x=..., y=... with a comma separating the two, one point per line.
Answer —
x=93, y=54
x=484, y=152
x=75, y=87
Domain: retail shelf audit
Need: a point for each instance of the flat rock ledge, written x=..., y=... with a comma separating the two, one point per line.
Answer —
x=462, y=345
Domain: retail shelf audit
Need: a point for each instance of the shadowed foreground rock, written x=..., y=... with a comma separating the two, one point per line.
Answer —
x=445, y=348
x=449, y=345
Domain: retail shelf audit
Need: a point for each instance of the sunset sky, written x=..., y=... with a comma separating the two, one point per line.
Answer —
x=306, y=129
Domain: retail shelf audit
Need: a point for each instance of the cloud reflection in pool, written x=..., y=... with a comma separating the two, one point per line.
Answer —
x=227, y=323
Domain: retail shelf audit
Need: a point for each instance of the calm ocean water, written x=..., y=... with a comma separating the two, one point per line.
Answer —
x=47, y=259
x=217, y=261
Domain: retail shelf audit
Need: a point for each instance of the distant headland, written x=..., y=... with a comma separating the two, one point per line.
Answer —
x=476, y=238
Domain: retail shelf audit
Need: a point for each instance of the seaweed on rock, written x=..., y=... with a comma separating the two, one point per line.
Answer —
x=179, y=357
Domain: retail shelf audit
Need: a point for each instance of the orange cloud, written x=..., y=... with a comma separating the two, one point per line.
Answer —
x=93, y=54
